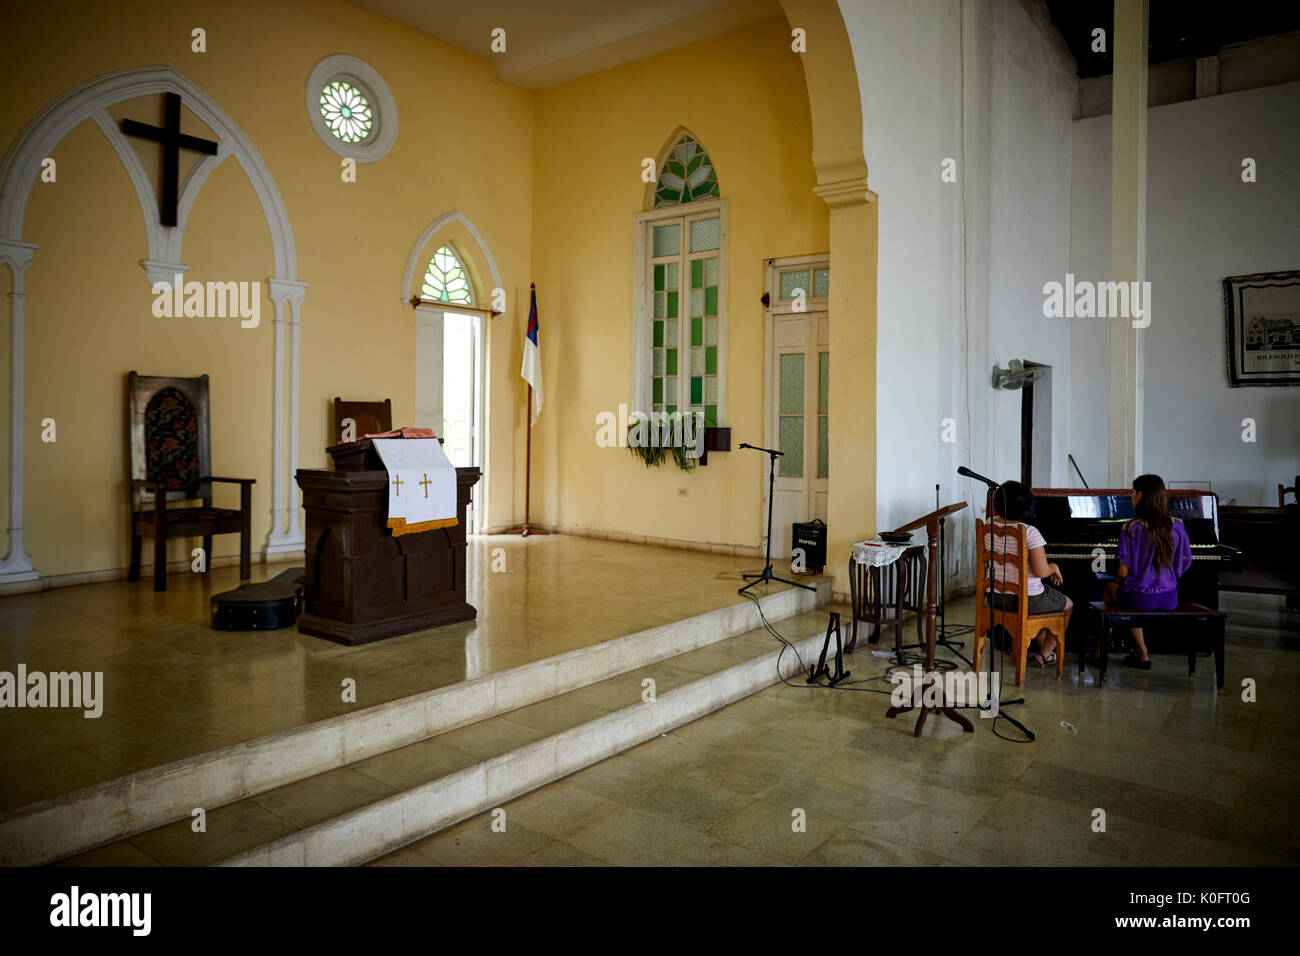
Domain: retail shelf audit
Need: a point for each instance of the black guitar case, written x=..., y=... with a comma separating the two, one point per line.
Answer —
x=266, y=606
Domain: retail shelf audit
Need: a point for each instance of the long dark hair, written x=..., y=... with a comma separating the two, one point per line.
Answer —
x=1153, y=511
x=1013, y=501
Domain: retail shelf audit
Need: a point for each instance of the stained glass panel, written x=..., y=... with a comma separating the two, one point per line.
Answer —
x=686, y=175
x=346, y=111
x=446, y=280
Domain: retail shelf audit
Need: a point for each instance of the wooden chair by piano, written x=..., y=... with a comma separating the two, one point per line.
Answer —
x=369, y=418
x=170, y=454
x=1019, y=623
x=879, y=596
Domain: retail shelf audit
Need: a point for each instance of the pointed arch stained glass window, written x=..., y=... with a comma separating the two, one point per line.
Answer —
x=687, y=174
x=346, y=111
x=446, y=279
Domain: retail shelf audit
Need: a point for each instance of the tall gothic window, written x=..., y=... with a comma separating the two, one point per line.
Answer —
x=682, y=286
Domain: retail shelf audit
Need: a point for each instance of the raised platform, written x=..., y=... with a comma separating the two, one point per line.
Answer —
x=214, y=718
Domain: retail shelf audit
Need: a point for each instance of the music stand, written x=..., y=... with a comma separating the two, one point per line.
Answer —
x=931, y=524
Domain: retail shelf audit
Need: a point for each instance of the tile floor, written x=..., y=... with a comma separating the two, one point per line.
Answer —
x=174, y=687
x=1185, y=775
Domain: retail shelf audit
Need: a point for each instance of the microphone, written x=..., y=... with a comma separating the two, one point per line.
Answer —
x=963, y=470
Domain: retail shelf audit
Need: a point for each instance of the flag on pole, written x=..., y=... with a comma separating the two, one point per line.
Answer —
x=532, y=370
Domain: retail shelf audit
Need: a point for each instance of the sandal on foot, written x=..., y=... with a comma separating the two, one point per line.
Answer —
x=1132, y=660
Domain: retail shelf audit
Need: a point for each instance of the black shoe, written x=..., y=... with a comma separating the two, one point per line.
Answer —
x=1133, y=661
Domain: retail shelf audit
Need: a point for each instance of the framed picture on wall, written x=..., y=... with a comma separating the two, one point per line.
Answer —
x=1263, y=314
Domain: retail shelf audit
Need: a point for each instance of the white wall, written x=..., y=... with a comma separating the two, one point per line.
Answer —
x=934, y=358
x=1203, y=224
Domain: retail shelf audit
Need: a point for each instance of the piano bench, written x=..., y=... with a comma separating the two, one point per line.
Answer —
x=1116, y=615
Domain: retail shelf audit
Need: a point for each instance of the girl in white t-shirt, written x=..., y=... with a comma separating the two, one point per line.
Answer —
x=1013, y=502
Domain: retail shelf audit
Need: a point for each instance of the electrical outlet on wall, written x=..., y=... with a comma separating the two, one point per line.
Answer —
x=682, y=492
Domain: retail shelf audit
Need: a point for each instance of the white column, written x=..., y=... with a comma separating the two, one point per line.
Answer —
x=16, y=566
x=286, y=535
x=295, y=495
x=1128, y=207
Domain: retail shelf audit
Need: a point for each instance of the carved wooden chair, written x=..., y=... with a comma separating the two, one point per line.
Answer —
x=1019, y=623
x=369, y=418
x=170, y=453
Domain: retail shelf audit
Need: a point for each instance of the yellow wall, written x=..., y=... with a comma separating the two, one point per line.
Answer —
x=743, y=95
x=464, y=141
x=552, y=182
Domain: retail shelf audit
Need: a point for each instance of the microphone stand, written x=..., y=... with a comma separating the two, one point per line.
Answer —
x=996, y=614
x=767, y=574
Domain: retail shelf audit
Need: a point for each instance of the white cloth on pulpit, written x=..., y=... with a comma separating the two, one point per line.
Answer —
x=421, y=484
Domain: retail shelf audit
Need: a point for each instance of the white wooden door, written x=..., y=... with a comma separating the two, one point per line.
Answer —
x=799, y=421
x=461, y=389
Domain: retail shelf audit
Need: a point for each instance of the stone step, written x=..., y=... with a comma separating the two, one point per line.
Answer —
x=370, y=807
x=104, y=813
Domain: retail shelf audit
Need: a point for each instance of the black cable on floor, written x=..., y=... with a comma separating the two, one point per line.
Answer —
x=950, y=665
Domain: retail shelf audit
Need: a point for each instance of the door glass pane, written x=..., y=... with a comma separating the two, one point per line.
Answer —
x=823, y=382
x=791, y=384
x=793, y=280
x=821, y=282
x=791, y=442
x=823, y=420
x=823, y=447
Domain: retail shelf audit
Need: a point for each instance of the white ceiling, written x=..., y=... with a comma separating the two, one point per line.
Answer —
x=549, y=42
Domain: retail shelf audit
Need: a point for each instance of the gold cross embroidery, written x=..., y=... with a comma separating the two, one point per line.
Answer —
x=426, y=484
x=397, y=483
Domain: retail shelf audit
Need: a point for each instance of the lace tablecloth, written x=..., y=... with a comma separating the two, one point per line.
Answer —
x=877, y=554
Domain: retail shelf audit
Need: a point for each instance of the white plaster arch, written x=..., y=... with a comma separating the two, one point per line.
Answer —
x=413, y=260
x=18, y=173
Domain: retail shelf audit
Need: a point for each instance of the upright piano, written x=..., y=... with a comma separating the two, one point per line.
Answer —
x=1078, y=522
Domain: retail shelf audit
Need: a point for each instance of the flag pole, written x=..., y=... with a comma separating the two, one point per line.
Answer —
x=527, y=529
x=528, y=464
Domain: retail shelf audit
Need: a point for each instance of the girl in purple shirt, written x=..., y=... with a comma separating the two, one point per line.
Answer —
x=1153, y=554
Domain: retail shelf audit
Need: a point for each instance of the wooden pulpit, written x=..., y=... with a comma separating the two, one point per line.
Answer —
x=930, y=523
x=362, y=583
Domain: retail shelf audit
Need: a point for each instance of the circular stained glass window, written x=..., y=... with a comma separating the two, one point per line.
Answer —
x=351, y=108
x=347, y=111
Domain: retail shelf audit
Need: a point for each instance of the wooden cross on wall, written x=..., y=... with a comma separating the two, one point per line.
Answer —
x=171, y=138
